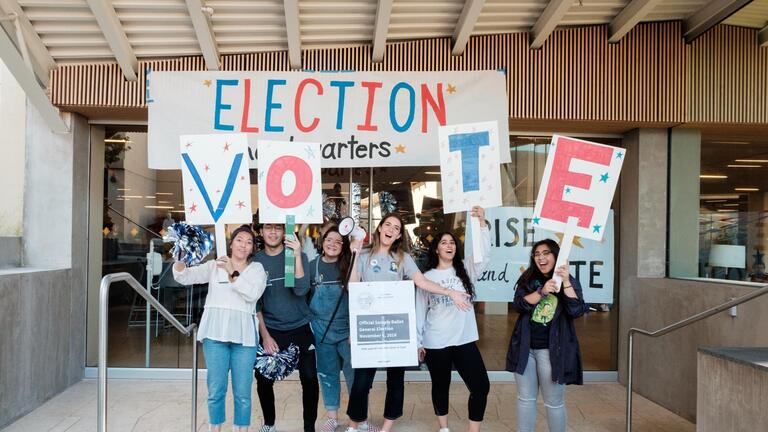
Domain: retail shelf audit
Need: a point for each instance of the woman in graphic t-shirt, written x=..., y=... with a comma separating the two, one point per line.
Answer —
x=543, y=351
x=387, y=259
x=446, y=334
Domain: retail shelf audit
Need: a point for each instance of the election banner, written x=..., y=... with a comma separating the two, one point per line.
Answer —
x=361, y=119
x=470, y=173
x=512, y=236
x=289, y=182
x=577, y=188
x=382, y=321
x=217, y=189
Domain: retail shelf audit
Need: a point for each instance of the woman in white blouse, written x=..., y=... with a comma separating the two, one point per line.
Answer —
x=229, y=323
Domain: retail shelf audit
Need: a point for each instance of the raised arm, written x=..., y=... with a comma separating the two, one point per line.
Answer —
x=199, y=274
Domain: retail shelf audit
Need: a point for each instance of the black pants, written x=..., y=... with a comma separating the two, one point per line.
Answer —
x=469, y=364
x=357, y=409
x=310, y=389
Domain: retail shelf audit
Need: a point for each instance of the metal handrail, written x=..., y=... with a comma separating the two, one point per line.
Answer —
x=677, y=326
x=191, y=330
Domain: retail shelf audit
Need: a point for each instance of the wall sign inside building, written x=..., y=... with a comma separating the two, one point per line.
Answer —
x=513, y=234
x=360, y=118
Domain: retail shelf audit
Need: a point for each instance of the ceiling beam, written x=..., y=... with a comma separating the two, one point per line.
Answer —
x=201, y=21
x=762, y=37
x=291, y=9
x=465, y=25
x=381, y=29
x=548, y=21
x=629, y=17
x=11, y=56
x=115, y=35
x=709, y=16
x=41, y=60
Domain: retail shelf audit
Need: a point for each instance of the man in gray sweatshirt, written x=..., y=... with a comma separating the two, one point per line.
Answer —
x=284, y=317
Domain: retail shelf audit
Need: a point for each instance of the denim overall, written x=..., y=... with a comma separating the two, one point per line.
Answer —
x=333, y=354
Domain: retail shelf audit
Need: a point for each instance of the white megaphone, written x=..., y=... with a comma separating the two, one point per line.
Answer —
x=348, y=227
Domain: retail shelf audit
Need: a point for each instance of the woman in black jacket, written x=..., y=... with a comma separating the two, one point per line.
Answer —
x=543, y=351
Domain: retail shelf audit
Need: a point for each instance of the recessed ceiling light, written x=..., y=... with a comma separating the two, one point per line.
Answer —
x=730, y=142
x=745, y=166
x=432, y=172
x=158, y=207
x=752, y=160
x=713, y=176
x=163, y=193
x=746, y=189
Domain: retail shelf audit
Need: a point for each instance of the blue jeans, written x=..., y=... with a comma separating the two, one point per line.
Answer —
x=538, y=373
x=331, y=359
x=221, y=358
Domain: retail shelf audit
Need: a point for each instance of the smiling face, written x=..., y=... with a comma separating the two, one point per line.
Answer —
x=273, y=234
x=389, y=231
x=446, y=249
x=242, y=246
x=333, y=245
x=544, y=259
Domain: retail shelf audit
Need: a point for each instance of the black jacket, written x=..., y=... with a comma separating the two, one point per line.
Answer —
x=564, y=351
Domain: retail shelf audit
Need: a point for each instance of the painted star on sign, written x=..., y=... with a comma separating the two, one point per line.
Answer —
x=567, y=190
x=240, y=204
x=400, y=148
x=193, y=208
x=310, y=211
x=604, y=178
x=596, y=228
x=310, y=153
x=188, y=145
x=207, y=83
x=451, y=89
x=207, y=168
x=536, y=220
x=226, y=146
x=619, y=155
x=242, y=177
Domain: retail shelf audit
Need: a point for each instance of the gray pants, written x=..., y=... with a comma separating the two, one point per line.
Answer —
x=538, y=373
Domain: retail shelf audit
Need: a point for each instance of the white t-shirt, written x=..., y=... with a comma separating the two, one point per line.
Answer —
x=439, y=323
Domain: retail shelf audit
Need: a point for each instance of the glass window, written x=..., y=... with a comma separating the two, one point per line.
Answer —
x=732, y=209
x=136, y=197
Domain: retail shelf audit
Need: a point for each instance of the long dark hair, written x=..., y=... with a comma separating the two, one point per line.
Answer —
x=345, y=258
x=458, y=264
x=532, y=273
x=240, y=229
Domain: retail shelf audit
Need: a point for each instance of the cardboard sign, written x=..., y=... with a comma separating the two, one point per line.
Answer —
x=579, y=181
x=289, y=182
x=214, y=172
x=382, y=321
x=362, y=119
x=512, y=235
x=577, y=188
x=470, y=170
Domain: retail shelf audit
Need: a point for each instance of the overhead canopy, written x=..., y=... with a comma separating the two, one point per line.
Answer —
x=48, y=33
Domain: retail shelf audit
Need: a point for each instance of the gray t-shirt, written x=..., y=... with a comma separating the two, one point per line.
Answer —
x=381, y=267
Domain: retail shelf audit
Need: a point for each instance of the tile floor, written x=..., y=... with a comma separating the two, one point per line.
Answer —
x=154, y=405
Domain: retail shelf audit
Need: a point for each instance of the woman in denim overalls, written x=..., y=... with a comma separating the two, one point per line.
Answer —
x=330, y=321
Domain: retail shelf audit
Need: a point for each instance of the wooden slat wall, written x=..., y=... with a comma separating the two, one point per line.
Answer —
x=651, y=76
x=728, y=80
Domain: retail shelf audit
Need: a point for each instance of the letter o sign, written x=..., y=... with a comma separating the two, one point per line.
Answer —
x=301, y=172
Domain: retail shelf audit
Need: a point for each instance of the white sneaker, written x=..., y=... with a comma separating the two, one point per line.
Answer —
x=330, y=425
x=351, y=429
x=444, y=430
x=266, y=428
x=366, y=427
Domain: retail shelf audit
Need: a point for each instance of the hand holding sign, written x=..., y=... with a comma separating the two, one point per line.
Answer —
x=577, y=188
x=470, y=171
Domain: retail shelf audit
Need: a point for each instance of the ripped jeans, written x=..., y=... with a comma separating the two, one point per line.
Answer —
x=538, y=373
x=332, y=358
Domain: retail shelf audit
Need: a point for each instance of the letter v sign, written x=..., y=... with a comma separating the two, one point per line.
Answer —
x=215, y=213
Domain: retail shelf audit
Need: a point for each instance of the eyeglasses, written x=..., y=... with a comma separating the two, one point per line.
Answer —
x=542, y=254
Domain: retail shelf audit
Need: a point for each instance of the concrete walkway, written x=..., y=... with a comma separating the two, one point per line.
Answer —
x=144, y=405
